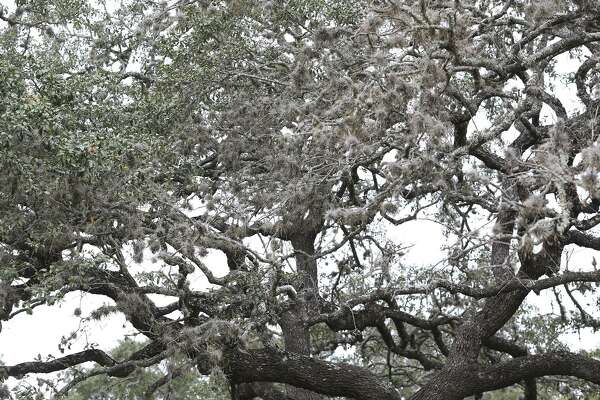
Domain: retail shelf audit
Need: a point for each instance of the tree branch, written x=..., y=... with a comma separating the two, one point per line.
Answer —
x=333, y=379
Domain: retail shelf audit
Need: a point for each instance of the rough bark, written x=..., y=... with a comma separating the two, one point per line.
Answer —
x=449, y=383
x=294, y=322
x=333, y=379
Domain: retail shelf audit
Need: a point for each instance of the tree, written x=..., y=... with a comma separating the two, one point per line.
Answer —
x=181, y=383
x=295, y=139
x=176, y=379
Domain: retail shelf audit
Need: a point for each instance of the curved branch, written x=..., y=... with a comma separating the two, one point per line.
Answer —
x=580, y=75
x=58, y=364
x=534, y=366
x=333, y=379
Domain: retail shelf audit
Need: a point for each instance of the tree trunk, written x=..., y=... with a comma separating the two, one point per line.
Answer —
x=453, y=381
x=293, y=322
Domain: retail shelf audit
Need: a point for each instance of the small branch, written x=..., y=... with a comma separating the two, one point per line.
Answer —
x=115, y=370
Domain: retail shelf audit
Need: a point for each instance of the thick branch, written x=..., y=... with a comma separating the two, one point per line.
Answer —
x=534, y=366
x=304, y=372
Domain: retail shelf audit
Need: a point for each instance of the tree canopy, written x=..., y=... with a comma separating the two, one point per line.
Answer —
x=243, y=180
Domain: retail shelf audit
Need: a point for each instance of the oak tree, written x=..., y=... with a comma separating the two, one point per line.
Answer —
x=242, y=180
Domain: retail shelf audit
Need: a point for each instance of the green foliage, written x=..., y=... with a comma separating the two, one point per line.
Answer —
x=140, y=137
x=186, y=383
